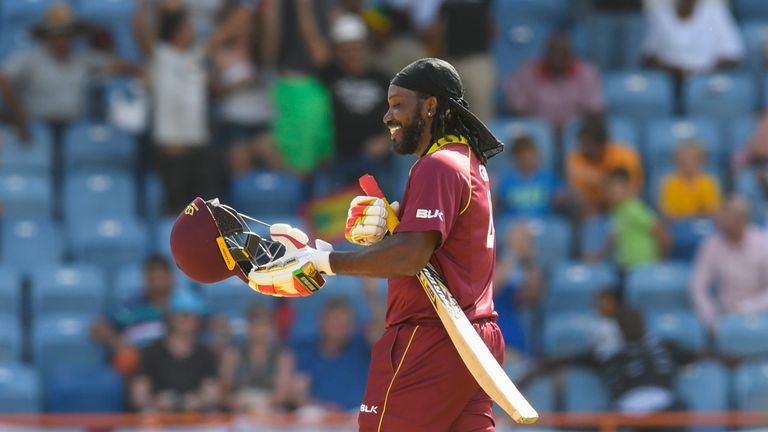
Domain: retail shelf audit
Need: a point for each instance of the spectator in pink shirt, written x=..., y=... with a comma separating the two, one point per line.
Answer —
x=735, y=262
x=558, y=87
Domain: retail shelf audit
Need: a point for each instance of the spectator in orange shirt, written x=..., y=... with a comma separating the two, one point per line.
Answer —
x=590, y=164
x=689, y=191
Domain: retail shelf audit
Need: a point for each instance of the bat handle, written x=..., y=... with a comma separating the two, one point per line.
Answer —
x=371, y=188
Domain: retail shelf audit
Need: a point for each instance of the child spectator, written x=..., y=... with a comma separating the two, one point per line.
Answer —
x=689, y=192
x=528, y=190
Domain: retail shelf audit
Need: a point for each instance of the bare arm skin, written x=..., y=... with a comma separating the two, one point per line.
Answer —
x=402, y=254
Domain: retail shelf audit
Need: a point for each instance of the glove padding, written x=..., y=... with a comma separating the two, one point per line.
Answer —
x=297, y=272
x=367, y=220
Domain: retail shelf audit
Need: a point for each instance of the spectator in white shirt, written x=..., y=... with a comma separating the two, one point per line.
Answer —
x=735, y=262
x=691, y=36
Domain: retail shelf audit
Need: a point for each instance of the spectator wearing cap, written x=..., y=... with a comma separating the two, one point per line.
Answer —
x=558, y=87
x=178, y=373
x=359, y=96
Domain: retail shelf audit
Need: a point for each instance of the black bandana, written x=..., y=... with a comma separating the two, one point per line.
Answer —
x=436, y=77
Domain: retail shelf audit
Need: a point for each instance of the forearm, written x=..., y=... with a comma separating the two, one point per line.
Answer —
x=403, y=254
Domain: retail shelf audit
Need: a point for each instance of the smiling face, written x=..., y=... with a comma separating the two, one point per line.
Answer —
x=408, y=119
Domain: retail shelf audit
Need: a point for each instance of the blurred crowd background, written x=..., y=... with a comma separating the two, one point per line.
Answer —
x=630, y=202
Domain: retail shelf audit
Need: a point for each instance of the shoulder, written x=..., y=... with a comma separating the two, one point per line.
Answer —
x=451, y=159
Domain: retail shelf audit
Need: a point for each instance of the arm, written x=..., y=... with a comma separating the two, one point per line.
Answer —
x=141, y=393
x=662, y=239
x=103, y=331
x=142, y=28
x=316, y=44
x=18, y=115
x=405, y=254
x=701, y=280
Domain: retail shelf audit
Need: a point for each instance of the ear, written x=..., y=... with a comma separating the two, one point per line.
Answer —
x=430, y=107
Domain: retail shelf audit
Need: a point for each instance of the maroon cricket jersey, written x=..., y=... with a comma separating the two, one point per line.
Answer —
x=448, y=191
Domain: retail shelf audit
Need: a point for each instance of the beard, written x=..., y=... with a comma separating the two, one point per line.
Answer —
x=411, y=136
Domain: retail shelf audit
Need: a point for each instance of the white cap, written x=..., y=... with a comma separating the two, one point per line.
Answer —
x=348, y=28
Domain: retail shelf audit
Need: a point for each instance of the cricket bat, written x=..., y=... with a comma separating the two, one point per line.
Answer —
x=472, y=350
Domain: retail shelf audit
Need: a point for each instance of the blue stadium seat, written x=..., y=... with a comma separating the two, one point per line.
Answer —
x=622, y=49
x=10, y=338
x=13, y=41
x=680, y=327
x=10, y=291
x=620, y=129
x=542, y=10
x=568, y=333
x=584, y=391
x=26, y=195
x=232, y=297
x=92, y=388
x=63, y=340
x=261, y=193
x=664, y=135
x=704, y=386
x=111, y=15
x=742, y=335
x=659, y=287
x=99, y=194
x=518, y=41
x=687, y=235
x=26, y=243
x=755, y=35
x=553, y=239
x=752, y=9
x=109, y=243
x=740, y=131
x=594, y=233
x=23, y=14
x=153, y=197
x=33, y=157
x=541, y=393
x=507, y=129
x=573, y=286
x=163, y=229
x=641, y=95
x=19, y=389
x=720, y=96
x=71, y=290
x=747, y=185
x=750, y=386
x=98, y=146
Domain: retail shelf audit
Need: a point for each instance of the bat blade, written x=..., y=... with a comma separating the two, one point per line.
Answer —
x=470, y=346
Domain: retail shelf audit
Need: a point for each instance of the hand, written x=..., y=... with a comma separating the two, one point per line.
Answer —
x=367, y=220
x=297, y=273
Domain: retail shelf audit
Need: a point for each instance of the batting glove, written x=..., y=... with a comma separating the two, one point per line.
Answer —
x=367, y=220
x=298, y=272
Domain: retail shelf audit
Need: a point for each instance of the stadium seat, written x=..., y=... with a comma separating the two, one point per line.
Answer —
x=682, y=328
x=568, y=333
x=13, y=41
x=541, y=10
x=111, y=15
x=594, y=233
x=640, y=95
x=63, y=340
x=10, y=339
x=750, y=386
x=742, y=335
x=659, y=287
x=92, y=388
x=615, y=39
x=584, y=391
x=752, y=9
x=109, y=243
x=553, y=240
x=259, y=193
x=755, y=35
x=663, y=136
x=620, y=129
x=26, y=195
x=687, y=235
x=33, y=157
x=740, y=131
x=70, y=290
x=99, y=194
x=540, y=393
x=163, y=229
x=10, y=291
x=232, y=297
x=573, y=286
x=98, y=146
x=704, y=386
x=26, y=243
x=19, y=389
x=23, y=14
x=720, y=96
x=518, y=41
x=507, y=129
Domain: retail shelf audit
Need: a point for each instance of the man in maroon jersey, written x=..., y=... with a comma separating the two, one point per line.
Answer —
x=417, y=381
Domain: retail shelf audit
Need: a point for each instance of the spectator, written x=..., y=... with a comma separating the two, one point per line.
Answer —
x=639, y=371
x=258, y=378
x=138, y=322
x=689, y=192
x=359, y=95
x=755, y=151
x=337, y=362
x=180, y=115
x=558, y=87
x=690, y=36
x=732, y=260
x=392, y=39
x=467, y=31
x=638, y=237
x=528, y=190
x=518, y=286
x=594, y=159
x=178, y=373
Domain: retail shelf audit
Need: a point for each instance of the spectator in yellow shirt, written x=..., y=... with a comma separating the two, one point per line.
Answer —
x=689, y=191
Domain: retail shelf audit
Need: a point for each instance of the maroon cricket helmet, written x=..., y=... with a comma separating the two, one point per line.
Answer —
x=199, y=247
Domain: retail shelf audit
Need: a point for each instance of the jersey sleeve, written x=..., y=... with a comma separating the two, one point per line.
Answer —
x=437, y=193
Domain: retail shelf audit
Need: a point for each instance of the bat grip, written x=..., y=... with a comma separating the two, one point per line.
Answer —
x=371, y=188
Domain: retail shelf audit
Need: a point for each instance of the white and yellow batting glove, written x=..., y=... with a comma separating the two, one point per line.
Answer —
x=367, y=220
x=298, y=272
